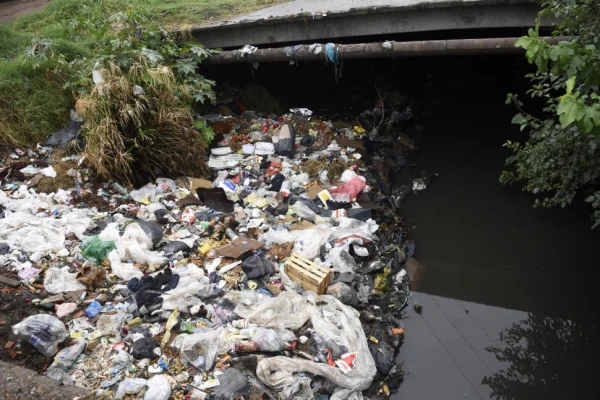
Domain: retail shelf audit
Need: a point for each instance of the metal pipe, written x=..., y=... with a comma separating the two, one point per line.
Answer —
x=377, y=50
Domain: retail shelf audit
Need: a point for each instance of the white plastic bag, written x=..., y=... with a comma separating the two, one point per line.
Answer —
x=147, y=212
x=36, y=238
x=61, y=280
x=76, y=221
x=67, y=356
x=130, y=386
x=340, y=259
x=135, y=244
x=303, y=211
x=43, y=331
x=201, y=348
x=332, y=320
x=288, y=310
x=145, y=192
x=159, y=388
x=310, y=241
x=125, y=271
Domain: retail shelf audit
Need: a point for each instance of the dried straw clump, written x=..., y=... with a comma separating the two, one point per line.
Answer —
x=138, y=124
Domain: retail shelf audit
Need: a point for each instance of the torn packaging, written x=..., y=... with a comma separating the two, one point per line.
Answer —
x=239, y=247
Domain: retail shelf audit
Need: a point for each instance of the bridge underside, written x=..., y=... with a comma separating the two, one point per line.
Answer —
x=377, y=19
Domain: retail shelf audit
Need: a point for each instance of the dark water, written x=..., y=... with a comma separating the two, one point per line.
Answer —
x=511, y=299
x=531, y=274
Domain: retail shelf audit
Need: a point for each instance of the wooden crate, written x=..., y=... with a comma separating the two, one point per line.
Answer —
x=310, y=275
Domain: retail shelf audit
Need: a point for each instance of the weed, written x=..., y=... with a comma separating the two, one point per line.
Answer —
x=137, y=125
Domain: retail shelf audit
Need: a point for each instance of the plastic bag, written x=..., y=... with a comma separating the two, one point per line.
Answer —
x=94, y=248
x=340, y=291
x=347, y=175
x=93, y=309
x=303, y=211
x=144, y=348
x=42, y=331
x=146, y=192
x=201, y=348
x=287, y=139
x=164, y=185
x=182, y=296
x=123, y=271
x=350, y=190
x=148, y=213
x=300, y=180
x=60, y=376
x=287, y=282
x=383, y=354
x=310, y=242
x=109, y=324
x=288, y=310
x=340, y=259
x=136, y=244
x=67, y=356
x=233, y=383
x=333, y=321
x=268, y=340
x=159, y=388
x=75, y=221
x=32, y=239
x=130, y=386
x=61, y=280
x=154, y=231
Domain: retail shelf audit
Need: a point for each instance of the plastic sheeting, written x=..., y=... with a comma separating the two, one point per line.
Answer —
x=201, y=348
x=125, y=271
x=61, y=280
x=332, y=320
x=288, y=310
x=135, y=244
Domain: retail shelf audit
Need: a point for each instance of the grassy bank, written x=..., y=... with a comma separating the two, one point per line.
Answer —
x=36, y=52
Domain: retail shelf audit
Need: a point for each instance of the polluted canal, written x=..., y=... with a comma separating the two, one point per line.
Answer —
x=495, y=266
x=289, y=271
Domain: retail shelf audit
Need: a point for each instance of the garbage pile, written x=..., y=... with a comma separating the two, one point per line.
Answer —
x=282, y=277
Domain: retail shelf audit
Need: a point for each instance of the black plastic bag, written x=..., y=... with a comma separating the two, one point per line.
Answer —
x=154, y=231
x=144, y=348
x=232, y=383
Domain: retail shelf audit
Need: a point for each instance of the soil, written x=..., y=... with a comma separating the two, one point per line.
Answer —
x=13, y=9
x=62, y=180
x=15, y=305
x=22, y=384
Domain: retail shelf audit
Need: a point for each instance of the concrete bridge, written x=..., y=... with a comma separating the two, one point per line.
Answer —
x=350, y=21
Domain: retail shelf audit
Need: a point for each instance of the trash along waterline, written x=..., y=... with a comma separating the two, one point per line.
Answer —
x=273, y=279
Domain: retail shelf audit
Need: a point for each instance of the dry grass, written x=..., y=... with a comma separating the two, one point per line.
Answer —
x=334, y=168
x=132, y=137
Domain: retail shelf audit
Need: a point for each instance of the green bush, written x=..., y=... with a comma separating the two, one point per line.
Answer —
x=561, y=157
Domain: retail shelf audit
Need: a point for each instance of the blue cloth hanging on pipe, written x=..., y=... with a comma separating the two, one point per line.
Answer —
x=333, y=53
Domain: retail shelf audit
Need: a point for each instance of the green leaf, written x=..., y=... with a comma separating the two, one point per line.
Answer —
x=523, y=42
x=570, y=110
x=590, y=118
x=151, y=55
x=186, y=66
x=570, y=84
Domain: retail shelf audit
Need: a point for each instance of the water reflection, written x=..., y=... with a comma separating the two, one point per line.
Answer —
x=549, y=358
